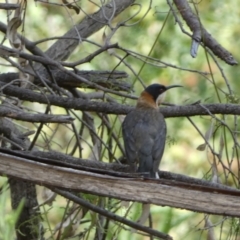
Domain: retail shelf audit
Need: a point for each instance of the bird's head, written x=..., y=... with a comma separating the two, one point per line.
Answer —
x=154, y=95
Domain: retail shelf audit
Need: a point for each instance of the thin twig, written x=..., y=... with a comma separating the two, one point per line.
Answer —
x=111, y=215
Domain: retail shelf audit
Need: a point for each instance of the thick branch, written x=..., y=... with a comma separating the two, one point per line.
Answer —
x=111, y=80
x=114, y=108
x=112, y=169
x=89, y=25
x=159, y=192
x=62, y=49
x=6, y=52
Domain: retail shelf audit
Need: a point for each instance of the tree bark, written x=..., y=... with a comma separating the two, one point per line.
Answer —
x=155, y=191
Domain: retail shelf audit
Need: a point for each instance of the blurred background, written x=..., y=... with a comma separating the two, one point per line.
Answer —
x=153, y=32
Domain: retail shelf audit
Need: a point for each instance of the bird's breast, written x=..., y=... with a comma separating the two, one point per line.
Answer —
x=149, y=120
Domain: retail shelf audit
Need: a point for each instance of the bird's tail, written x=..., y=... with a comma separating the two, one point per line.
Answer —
x=146, y=166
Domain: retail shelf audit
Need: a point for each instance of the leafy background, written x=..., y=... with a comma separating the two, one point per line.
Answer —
x=156, y=35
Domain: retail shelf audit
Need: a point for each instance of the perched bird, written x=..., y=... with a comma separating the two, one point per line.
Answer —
x=144, y=131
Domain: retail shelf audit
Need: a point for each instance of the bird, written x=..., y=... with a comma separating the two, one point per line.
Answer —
x=144, y=131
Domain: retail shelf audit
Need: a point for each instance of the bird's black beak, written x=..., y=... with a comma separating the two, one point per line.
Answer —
x=173, y=86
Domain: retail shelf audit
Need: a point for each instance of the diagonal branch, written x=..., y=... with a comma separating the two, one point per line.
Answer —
x=111, y=215
x=62, y=49
x=200, y=34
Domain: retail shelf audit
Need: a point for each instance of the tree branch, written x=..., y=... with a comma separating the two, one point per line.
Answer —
x=29, y=117
x=200, y=34
x=108, y=79
x=9, y=6
x=115, y=108
x=62, y=49
x=28, y=225
x=111, y=215
x=7, y=52
x=111, y=169
x=153, y=191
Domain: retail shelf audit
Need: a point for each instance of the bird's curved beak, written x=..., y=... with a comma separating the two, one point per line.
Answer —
x=173, y=86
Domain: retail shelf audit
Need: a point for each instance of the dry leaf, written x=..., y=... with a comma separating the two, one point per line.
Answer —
x=207, y=136
x=12, y=35
x=202, y=147
x=71, y=6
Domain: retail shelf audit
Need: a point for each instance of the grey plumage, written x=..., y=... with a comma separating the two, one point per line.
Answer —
x=144, y=131
x=144, y=135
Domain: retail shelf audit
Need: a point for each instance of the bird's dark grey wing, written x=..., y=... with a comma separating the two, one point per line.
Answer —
x=128, y=130
x=159, y=143
x=139, y=135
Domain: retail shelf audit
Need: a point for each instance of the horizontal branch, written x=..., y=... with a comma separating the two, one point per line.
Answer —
x=112, y=169
x=153, y=191
x=9, y=6
x=30, y=117
x=7, y=52
x=108, y=79
x=114, y=108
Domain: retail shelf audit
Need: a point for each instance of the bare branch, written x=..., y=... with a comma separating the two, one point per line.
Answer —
x=108, y=79
x=200, y=34
x=6, y=52
x=91, y=56
x=89, y=25
x=28, y=44
x=111, y=215
x=9, y=6
x=28, y=117
x=154, y=191
x=115, y=108
x=111, y=169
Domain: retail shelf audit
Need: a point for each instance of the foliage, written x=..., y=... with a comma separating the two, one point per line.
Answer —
x=152, y=33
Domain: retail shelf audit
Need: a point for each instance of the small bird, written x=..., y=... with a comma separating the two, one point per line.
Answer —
x=144, y=131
